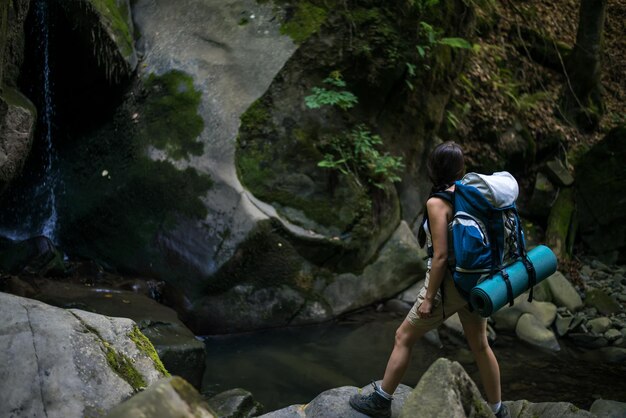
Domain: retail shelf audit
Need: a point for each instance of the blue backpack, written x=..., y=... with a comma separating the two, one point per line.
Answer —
x=486, y=231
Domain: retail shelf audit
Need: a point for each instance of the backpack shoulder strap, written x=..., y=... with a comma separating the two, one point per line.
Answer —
x=445, y=195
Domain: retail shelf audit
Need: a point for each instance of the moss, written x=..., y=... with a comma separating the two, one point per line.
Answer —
x=116, y=19
x=265, y=258
x=123, y=366
x=188, y=394
x=138, y=198
x=15, y=98
x=171, y=119
x=307, y=20
x=145, y=346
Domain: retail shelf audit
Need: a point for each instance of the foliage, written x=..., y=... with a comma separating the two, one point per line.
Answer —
x=307, y=20
x=354, y=153
x=324, y=97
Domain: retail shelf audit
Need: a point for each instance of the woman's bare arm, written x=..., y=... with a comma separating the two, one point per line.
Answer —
x=439, y=212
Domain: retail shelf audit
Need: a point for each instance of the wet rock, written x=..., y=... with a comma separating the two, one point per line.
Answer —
x=613, y=354
x=600, y=300
x=179, y=350
x=558, y=173
x=562, y=324
x=602, y=408
x=69, y=363
x=397, y=306
x=333, y=403
x=410, y=295
x=525, y=409
x=531, y=330
x=563, y=293
x=588, y=340
x=168, y=398
x=599, y=325
x=37, y=256
x=235, y=403
x=456, y=394
x=612, y=335
x=17, y=125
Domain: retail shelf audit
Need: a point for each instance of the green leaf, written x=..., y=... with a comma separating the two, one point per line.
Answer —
x=455, y=43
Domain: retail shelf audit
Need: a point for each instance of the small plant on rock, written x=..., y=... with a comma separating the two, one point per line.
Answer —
x=355, y=153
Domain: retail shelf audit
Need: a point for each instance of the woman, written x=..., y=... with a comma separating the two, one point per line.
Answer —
x=445, y=166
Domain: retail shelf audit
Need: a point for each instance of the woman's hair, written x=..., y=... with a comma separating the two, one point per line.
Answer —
x=445, y=165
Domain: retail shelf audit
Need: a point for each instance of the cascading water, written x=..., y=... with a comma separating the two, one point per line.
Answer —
x=31, y=207
x=49, y=185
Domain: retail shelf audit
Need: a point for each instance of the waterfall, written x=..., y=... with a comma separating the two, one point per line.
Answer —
x=48, y=187
x=30, y=207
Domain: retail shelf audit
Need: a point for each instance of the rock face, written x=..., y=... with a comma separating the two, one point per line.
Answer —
x=17, y=125
x=245, y=307
x=456, y=395
x=61, y=363
x=599, y=174
x=109, y=25
x=168, y=398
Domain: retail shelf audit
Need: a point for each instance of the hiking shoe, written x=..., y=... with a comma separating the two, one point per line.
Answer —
x=503, y=412
x=374, y=404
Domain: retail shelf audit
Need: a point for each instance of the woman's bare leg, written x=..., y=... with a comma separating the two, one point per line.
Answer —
x=406, y=337
x=476, y=333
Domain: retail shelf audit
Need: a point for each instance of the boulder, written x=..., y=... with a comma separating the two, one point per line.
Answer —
x=563, y=293
x=612, y=335
x=602, y=218
x=532, y=331
x=456, y=395
x=235, y=403
x=507, y=317
x=543, y=196
x=600, y=300
x=17, y=126
x=602, y=408
x=69, y=363
x=613, y=354
x=558, y=173
x=178, y=348
x=168, y=398
x=525, y=409
x=599, y=325
x=333, y=403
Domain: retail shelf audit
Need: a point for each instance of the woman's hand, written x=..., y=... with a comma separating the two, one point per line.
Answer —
x=425, y=309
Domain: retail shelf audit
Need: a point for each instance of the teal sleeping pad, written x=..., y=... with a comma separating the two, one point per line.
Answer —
x=490, y=295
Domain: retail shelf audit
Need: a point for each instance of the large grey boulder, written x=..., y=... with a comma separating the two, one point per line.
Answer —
x=69, y=363
x=333, y=403
x=563, y=293
x=602, y=408
x=532, y=331
x=235, y=403
x=168, y=398
x=17, y=125
x=507, y=317
x=444, y=391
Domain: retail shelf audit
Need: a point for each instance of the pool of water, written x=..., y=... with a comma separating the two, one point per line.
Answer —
x=289, y=366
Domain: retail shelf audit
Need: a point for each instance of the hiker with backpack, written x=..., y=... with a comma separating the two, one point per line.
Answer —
x=439, y=298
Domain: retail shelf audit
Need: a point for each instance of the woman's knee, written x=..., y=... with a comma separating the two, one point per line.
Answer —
x=406, y=335
x=478, y=342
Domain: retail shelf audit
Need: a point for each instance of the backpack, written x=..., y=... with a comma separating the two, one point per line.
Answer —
x=486, y=231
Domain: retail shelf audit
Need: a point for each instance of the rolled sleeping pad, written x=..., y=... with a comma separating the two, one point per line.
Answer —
x=490, y=295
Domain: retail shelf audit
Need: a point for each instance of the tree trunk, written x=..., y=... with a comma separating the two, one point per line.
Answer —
x=581, y=101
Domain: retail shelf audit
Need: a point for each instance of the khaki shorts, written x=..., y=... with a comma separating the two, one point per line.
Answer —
x=453, y=303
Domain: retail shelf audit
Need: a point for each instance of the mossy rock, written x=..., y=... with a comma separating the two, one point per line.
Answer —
x=117, y=198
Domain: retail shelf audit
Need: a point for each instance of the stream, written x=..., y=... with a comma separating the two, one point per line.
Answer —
x=289, y=366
